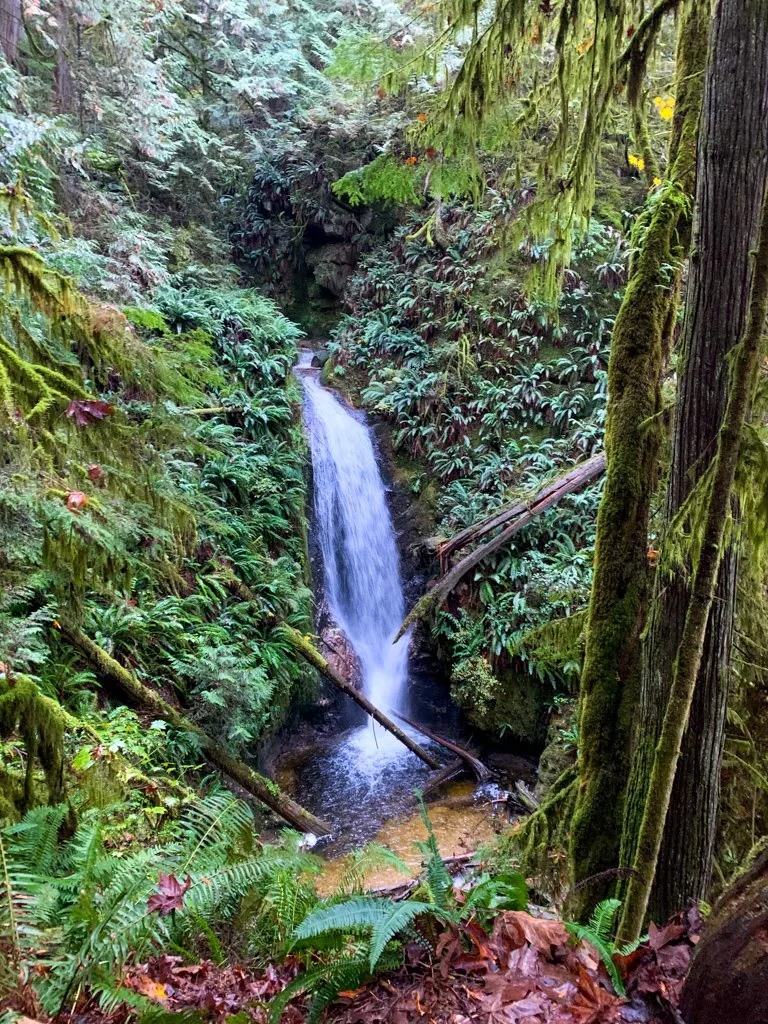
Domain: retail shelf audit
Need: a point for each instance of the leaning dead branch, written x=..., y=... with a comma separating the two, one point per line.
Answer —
x=516, y=517
x=481, y=771
x=310, y=654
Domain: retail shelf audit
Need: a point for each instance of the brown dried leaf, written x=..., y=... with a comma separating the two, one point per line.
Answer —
x=514, y=928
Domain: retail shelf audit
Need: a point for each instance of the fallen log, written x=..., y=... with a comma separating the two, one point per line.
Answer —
x=257, y=785
x=451, y=771
x=403, y=890
x=584, y=474
x=311, y=654
x=501, y=516
x=481, y=771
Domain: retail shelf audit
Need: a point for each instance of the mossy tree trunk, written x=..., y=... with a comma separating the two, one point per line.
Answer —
x=716, y=492
x=610, y=680
x=732, y=173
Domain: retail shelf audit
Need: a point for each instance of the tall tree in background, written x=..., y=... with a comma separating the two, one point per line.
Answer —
x=10, y=28
x=731, y=181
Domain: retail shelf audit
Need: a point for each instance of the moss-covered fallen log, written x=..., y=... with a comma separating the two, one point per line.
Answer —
x=521, y=515
x=501, y=516
x=311, y=655
x=257, y=785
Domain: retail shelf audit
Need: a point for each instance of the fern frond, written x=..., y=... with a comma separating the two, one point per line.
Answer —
x=383, y=919
x=363, y=862
x=338, y=975
x=34, y=839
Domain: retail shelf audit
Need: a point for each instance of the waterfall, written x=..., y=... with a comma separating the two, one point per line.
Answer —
x=360, y=558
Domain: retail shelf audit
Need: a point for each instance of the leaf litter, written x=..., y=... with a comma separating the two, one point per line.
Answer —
x=523, y=970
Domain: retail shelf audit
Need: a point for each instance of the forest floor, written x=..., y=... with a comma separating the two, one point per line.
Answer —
x=520, y=970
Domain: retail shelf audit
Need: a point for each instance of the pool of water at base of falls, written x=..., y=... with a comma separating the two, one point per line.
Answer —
x=358, y=787
x=366, y=776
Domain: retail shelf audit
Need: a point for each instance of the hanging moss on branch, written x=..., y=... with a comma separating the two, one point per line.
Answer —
x=263, y=789
x=40, y=722
x=715, y=496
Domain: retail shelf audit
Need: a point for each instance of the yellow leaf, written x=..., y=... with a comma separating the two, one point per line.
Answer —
x=151, y=989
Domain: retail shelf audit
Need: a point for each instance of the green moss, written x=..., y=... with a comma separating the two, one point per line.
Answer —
x=39, y=722
x=559, y=754
x=610, y=679
x=537, y=845
x=500, y=702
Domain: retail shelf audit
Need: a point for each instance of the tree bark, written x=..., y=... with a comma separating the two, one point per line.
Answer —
x=263, y=789
x=610, y=679
x=731, y=179
x=716, y=493
x=10, y=28
x=315, y=658
x=728, y=976
x=63, y=84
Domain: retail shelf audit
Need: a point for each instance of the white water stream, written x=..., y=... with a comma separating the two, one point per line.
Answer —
x=360, y=565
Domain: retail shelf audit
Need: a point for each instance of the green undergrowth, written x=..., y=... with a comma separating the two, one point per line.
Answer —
x=202, y=885
x=152, y=485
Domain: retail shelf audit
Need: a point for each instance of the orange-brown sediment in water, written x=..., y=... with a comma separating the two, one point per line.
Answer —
x=459, y=825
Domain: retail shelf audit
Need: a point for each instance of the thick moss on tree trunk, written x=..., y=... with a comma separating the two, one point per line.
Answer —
x=732, y=172
x=714, y=495
x=610, y=679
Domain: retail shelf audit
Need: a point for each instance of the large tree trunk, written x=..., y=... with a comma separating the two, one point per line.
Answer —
x=731, y=178
x=10, y=28
x=728, y=977
x=610, y=678
x=715, y=497
x=63, y=84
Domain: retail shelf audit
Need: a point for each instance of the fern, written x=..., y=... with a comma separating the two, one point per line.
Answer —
x=327, y=979
x=598, y=932
x=365, y=915
x=363, y=862
x=436, y=880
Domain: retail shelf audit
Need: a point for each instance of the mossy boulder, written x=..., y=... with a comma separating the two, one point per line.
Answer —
x=559, y=754
x=500, y=701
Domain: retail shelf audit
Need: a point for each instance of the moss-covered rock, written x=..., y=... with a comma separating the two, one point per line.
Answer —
x=559, y=754
x=502, y=701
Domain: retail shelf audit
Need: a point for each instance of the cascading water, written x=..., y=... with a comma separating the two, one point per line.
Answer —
x=360, y=558
x=368, y=775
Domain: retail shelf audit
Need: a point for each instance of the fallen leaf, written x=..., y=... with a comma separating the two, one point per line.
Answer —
x=659, y=937
x=169, y=895
x=76, y=500
x=152, y=989
x=85, y=410
x=514, y=928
